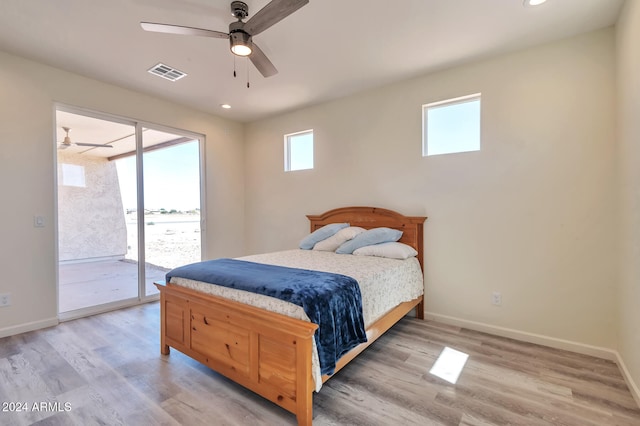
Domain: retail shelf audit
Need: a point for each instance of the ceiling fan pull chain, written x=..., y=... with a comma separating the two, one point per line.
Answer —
x=247, y=62
x=234, y=67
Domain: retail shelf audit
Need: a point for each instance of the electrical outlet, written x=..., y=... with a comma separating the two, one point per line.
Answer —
x=5, y=299
x=496, y=298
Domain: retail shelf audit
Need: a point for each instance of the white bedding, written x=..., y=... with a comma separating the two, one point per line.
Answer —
x=384, y=284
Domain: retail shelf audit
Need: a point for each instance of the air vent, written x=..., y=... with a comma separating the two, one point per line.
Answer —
x=165, y=71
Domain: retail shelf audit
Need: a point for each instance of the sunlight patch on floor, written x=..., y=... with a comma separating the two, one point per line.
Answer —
x=449, y=365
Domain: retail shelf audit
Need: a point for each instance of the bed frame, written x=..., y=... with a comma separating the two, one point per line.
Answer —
x=267, y=352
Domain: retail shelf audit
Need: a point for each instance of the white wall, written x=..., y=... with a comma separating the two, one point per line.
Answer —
x=532, y=215
x=27, y=132
x=628, y=45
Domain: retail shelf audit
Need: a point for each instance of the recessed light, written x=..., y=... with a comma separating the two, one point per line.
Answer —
x=225, y=106
x=533, y=2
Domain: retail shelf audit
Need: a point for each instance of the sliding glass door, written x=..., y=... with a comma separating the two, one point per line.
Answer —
x=172, y=203
x=128, y=209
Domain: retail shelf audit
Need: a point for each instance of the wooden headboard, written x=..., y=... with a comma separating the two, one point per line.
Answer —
x=374, y=217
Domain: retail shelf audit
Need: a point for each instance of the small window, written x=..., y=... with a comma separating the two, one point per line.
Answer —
x=451, y=126
x=72, y=175
x=298, y=151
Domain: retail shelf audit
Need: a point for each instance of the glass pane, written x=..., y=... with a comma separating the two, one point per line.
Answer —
x=453, y=127
x=129, y=192
x=300, y=151
x=172, y=204
x=95, y=266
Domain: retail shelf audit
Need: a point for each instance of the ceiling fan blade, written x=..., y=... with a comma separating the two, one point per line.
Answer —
x=95, y=145
x=271, y=14
x=178, y=29
x=261, y=62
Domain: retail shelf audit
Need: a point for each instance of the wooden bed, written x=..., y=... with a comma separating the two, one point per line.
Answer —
x=267, y=352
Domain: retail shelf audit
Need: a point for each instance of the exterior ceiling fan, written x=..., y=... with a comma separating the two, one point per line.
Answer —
x=241, y=33
x=66, y=143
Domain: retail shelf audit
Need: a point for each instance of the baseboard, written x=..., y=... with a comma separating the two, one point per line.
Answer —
x=539, y=339
x=633, y=387
x=30, y=326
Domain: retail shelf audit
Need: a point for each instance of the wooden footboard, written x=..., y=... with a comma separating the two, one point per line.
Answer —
x=266, y=352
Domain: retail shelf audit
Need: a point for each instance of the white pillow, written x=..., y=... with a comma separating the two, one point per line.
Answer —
x=391, y=250
x=337, y=239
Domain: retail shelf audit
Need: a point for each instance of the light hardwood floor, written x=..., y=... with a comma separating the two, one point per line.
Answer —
x=107, y=369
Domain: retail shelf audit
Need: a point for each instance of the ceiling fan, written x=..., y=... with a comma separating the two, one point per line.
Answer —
x=241, y=33
x=66, y=143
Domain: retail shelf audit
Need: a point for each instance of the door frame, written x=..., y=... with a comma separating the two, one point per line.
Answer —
x=138, y=125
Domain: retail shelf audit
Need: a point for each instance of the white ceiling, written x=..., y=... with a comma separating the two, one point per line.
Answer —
x=327, y=49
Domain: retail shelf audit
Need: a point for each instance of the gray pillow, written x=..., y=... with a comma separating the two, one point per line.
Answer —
x=370, y=237
x=320, y=234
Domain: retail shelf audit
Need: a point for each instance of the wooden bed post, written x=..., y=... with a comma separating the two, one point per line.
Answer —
x=420, y=310
x=304, y=383
x=164, y=348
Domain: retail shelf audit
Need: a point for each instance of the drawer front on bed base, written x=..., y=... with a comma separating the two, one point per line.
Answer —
x=277, y=366
x=230, y=347
x=226, y=345
x=253, y=355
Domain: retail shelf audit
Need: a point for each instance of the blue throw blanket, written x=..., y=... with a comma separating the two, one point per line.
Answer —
x=332, y=301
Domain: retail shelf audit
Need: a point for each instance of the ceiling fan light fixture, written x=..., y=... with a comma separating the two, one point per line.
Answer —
x=240, y=43
x=241, y=50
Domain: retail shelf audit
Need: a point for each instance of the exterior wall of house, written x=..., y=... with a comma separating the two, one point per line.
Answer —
x=91, y=221
x=628, y=49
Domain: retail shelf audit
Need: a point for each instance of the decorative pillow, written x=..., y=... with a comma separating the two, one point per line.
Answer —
x=340, y=237
x=370, y=237
x=320, y=234
x=391, y=250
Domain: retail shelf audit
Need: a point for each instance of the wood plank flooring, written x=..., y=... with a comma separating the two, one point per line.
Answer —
x=107, y=370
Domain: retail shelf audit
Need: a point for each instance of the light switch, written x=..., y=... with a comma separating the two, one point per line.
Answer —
x=38, y=221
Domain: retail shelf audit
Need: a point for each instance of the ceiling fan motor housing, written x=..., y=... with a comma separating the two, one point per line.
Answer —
x=67, y=139
x=239, y=37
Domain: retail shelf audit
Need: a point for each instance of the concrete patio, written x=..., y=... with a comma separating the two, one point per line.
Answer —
x=85, y=284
